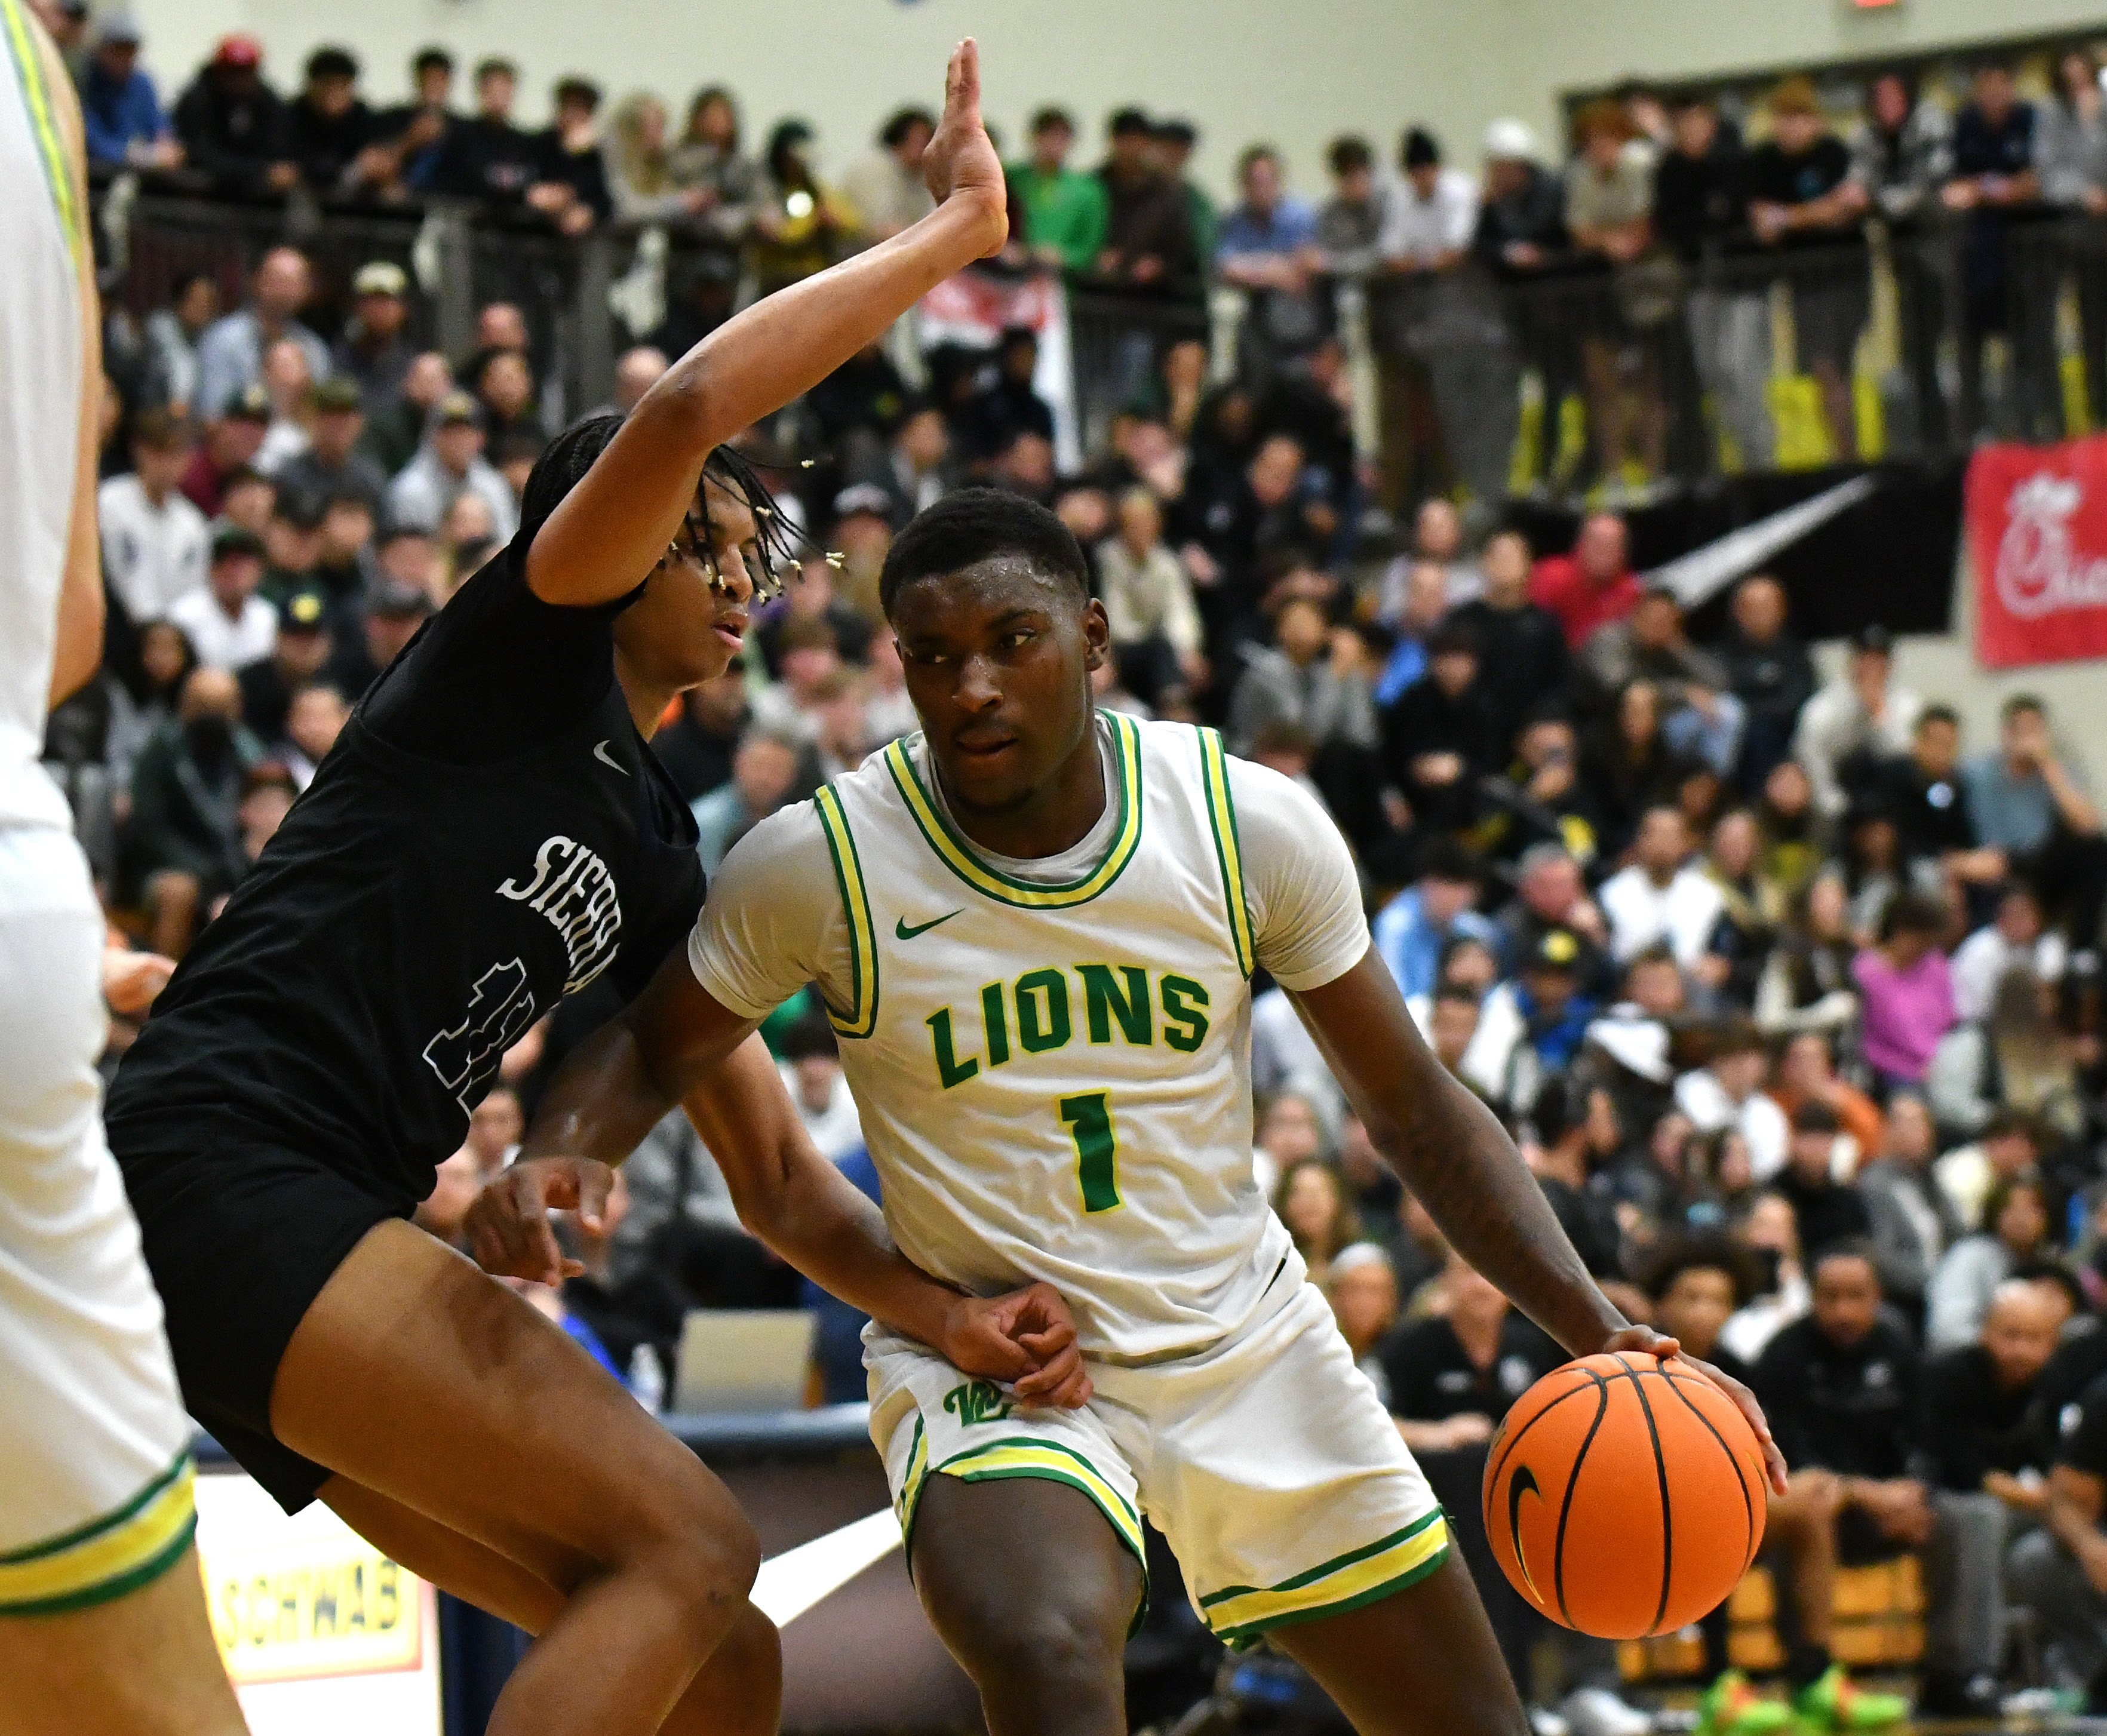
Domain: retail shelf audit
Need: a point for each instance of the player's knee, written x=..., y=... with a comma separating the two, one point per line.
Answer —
x=690, y=1533
x=1066, y=1649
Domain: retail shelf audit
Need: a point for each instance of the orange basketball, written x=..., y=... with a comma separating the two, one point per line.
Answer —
x=1623, y=1497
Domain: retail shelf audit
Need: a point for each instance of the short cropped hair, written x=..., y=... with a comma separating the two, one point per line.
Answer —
x=975, y=525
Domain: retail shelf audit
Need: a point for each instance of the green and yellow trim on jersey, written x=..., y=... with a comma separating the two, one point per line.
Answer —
x=109, y=1556
x=958, y=855
x=859, y=1018
x=1024, y=1455
x=37, y=99
x=1239, y=1614
x=1229, y=852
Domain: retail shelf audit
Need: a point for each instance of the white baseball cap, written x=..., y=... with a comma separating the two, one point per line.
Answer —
x=1510, y=141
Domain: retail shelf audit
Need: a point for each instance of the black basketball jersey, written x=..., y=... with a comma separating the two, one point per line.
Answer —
x=413, y=917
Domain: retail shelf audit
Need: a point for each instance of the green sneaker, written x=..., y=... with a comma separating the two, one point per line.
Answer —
x=1834, y=1703
x=1731, y=1706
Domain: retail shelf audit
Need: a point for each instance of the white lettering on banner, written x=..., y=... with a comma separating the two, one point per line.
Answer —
x=2040, y=570
x=575, y=889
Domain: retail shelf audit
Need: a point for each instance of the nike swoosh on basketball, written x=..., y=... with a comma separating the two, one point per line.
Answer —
x=607, y=759
x=1523, y=1482
x=900, y=928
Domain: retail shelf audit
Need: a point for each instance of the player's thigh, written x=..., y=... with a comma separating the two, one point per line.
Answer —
x=1422, y=1661
x=414, y=1374
x=1024, y=1578
x=145, y=1664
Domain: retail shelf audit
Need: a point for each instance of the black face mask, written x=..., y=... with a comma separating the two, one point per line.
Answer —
x=210, y=739
x=1768, y=1261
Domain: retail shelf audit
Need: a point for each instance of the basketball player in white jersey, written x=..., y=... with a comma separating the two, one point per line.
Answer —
x=102, y=1615
x=1034, y=925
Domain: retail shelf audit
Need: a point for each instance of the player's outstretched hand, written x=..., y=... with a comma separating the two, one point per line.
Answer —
x=961, y=163
x=1644, y=1341
x=1027, y=1338
x=508, y=1226
x=130, y=979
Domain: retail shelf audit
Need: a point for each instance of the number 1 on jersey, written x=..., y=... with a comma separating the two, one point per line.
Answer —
x=1090, y=1122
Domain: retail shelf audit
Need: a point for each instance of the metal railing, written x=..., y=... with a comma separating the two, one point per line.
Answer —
x=1580, y=380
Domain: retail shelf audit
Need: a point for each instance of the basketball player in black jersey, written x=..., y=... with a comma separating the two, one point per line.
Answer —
x=492, y=834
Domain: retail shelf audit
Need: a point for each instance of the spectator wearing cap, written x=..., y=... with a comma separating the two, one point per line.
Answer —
x=1663, y=896
x=886, y=186
x=375, y=353
x=301, y=652
x=1594, y=584
x=486, y=158
x=449, y=464
x=1854, y=722
x=393, y=615
x=1429, y=218
x=332, y=464
x=332, y=136
x=120, y=110
x=1148, y=242
x=232, y=127
x=226, y=623
x=231, y=353
x=1413, y=928
x=2028, y=801
x=232, y=439
x=154, y=542
x=572, y=191
x=1065, y=210
x=1521, y=216
x=1531, y=1027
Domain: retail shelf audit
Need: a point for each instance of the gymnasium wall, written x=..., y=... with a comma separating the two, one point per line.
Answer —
x=1294, y=73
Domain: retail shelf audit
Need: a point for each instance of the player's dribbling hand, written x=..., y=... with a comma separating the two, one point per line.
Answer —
x=1026, y=1338
x=508, y=1227
x=1644, y=1341
x=961, y=163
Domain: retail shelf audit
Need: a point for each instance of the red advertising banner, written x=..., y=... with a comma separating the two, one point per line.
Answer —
x=2037, y=538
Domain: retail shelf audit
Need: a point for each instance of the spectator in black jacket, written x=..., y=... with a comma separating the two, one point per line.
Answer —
x=486, y=157
x=1844, y=1391
x=1769, y=671
x=1006, y=406
x=1979, y=1434
x=1522, y=653
x=1700, y=187
x=1828, y=1211
x=331, y=135
x=1149, y=243
x=416, y=132
x=2060, y=1572
x=1438, y=739
x=1923, y=794
x=232, y=125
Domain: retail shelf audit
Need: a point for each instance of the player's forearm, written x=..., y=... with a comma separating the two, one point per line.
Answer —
x=788, y=342
x=603, y=1099
x=1459, y=1163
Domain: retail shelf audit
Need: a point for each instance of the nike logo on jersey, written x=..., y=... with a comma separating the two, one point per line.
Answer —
x=901, y=930
x=607, y=759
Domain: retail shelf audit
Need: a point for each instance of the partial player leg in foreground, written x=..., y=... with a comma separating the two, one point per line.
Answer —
x=427, y=1387
x=1041, y=1624
x=102, y=1612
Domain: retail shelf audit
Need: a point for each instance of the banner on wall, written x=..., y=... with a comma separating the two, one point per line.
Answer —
x=320, y=1633
x=2037, y=540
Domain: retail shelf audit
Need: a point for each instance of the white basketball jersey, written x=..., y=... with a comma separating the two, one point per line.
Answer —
x=1055, y=1080
x=40, y=378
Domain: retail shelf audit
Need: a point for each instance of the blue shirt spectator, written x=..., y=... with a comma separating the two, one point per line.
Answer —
x=838, y=1328
x=120, y=110
x=1411, y=930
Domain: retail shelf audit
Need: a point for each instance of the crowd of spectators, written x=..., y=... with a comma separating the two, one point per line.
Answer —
x=1792, y=998
x=1645, y=363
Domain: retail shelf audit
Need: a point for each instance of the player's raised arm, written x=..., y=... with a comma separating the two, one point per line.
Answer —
x=1459, y=1161
x=678, y=1044
x=613, y=527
